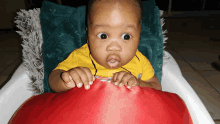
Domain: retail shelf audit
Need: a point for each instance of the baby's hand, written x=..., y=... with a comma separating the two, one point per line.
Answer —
x=124, y=78
x=78, y=76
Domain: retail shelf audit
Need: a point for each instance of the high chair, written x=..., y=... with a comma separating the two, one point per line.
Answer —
x=16, y=90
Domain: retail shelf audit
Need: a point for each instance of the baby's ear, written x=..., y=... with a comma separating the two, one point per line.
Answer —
x=86, y=28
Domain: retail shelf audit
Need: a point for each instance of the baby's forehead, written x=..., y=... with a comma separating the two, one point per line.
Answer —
x=113, y=4
x=114, y=12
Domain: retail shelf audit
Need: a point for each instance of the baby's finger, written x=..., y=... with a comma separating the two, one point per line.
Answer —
x=88, y=72
x=75, y=77
x=132, y=82
x=71, y=83
x=117, y=77
x=124, y=80
x=83, y=76
x=65, y=77
x=67, y=80
x=114, y=78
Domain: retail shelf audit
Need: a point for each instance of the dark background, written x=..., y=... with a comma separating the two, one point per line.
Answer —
x=177, y=5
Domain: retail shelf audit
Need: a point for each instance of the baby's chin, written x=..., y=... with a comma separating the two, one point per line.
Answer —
x=111, y=67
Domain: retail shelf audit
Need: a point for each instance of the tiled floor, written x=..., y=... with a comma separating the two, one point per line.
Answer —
x=194, y=42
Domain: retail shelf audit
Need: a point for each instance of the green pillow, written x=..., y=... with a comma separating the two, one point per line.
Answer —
x=63, y=30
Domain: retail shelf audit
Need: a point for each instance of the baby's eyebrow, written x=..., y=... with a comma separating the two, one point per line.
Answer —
x=125, y=25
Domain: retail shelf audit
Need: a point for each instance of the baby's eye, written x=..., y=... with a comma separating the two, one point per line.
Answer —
x=102, y=35
x=126, y=36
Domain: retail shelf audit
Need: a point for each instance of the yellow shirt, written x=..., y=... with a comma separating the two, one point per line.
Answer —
x=80, y=57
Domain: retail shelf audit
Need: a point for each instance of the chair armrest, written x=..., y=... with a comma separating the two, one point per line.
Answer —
x=173, y=81
x=14, y=93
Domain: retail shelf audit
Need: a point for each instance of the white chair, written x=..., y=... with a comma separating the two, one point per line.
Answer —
x=15, y=92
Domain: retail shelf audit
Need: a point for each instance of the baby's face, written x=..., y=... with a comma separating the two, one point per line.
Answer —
x=114, y=33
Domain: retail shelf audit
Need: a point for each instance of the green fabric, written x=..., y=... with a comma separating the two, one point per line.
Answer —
x=63, y=30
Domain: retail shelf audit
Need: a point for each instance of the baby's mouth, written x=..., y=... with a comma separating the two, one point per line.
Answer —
x=113, y=61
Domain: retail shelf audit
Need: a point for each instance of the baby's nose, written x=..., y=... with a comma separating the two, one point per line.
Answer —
x=114, y=47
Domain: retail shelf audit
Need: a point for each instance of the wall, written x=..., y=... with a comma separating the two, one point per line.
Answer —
x=8, y=11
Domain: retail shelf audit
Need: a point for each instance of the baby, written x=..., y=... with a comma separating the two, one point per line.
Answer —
x=111, y=51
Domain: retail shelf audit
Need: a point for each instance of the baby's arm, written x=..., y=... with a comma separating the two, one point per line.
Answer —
x=55, y=82
x=153, y=83
x=148, y=78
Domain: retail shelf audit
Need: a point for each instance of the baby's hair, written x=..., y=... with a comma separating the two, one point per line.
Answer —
x=91, y=2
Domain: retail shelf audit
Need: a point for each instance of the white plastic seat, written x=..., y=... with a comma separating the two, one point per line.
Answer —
x=15, y=92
